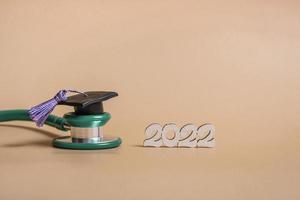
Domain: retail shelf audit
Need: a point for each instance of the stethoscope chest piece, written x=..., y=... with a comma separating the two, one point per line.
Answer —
x=86, y=123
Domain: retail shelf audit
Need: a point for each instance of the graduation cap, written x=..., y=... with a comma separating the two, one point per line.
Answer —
x=85, y=103
x=89, y=103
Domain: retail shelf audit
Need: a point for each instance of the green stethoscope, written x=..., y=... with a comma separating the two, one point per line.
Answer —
x=85, y=124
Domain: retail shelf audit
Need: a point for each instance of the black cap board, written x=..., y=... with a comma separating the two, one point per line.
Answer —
x=89, y=104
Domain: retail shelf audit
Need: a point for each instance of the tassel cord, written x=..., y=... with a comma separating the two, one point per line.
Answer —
x=40, y=113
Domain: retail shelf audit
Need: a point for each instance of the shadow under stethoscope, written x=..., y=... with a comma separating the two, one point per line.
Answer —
x=47, y=141
x=42, y=142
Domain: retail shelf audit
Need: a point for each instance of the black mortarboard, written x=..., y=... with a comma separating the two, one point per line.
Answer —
x=89, y=104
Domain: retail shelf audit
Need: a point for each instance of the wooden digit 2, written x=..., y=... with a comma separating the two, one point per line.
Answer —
x=206, y=136
x=188, y=136
x=153, y=135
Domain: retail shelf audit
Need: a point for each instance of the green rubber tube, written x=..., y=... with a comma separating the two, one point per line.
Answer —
x=22, y=115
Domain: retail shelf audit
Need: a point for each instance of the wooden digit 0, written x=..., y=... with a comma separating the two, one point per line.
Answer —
x=170, y=142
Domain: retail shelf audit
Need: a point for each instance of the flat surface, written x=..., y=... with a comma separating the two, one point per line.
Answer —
x=32, y=169
x=232, y=63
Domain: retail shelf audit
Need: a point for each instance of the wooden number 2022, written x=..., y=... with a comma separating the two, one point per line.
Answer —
x=188, y=136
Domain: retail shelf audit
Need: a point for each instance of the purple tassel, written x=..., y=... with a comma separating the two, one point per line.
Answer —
x=40, y=113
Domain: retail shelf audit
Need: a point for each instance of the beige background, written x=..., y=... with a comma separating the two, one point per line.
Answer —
x=232, y=63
